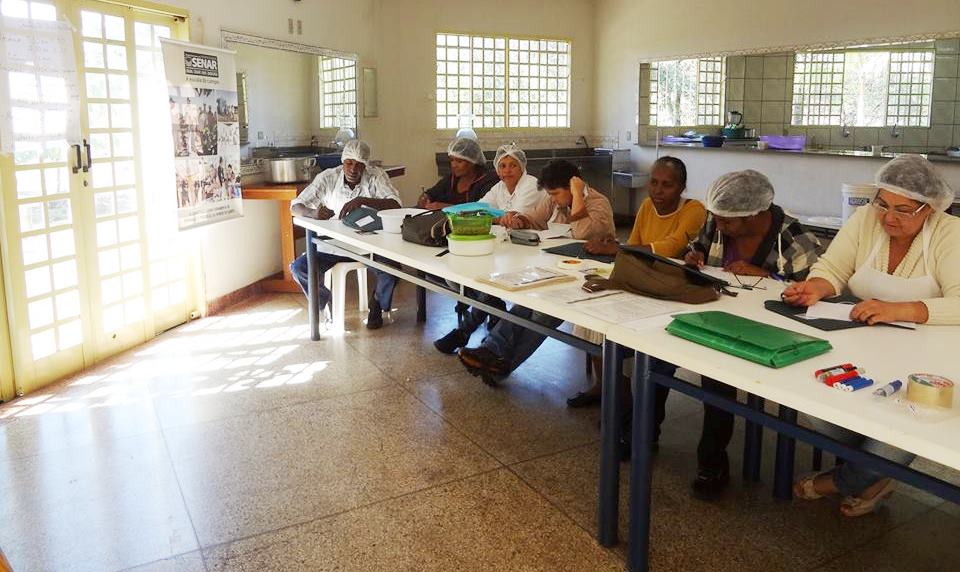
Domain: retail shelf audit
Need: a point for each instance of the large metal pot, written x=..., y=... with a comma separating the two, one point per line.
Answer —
x=289, y=169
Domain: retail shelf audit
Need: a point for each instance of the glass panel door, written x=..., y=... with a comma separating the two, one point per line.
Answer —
x=140, y=281
x=93, y=262
x=47, y=307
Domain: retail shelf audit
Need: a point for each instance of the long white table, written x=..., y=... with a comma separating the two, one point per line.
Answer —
x=462, y=270
x=887, y=353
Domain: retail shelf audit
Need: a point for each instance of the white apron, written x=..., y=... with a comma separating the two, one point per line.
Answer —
x=868, y=283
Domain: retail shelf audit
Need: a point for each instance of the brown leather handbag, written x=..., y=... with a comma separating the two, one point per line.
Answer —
x=652, y=276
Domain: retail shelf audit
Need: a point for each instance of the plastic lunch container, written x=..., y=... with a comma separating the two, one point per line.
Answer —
x=471, y=244
x=475, y=223
x=393, y=218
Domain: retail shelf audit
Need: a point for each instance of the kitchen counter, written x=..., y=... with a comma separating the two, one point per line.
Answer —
x=819, y=152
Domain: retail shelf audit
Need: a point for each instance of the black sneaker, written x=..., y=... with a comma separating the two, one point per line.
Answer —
x=450, y=343
x=375, y=316
x=710, y=482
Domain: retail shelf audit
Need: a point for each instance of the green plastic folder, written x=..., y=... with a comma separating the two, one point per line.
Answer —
x=750, y=340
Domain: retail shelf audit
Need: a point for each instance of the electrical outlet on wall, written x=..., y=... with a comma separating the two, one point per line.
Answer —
x=299, y=28
x=290, y=25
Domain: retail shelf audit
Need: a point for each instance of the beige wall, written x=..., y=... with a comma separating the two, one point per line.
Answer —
x=630, y=30
x=408, y=81
x=397, y=38
x=241, y=251
x=282, y=94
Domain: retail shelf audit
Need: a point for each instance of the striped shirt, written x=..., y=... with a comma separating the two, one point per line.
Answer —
x=798, y=247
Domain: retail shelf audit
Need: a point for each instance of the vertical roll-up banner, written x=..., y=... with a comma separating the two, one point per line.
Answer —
x=202, y=84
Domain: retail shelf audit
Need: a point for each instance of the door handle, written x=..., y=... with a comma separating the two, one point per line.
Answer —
x=89, y=156
x=79, y=163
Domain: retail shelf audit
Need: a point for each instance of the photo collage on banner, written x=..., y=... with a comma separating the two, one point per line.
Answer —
x=206, y=133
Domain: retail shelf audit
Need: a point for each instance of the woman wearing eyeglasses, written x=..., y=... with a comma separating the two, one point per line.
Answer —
x=901, y=256
x=752, y=238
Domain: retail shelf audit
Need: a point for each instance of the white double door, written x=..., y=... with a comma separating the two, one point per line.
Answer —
x=92, y=261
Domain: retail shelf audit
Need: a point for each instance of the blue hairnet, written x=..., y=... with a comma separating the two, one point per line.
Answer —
x=914, y=177
x=740, y=193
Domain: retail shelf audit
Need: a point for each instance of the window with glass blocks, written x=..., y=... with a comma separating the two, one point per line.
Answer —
x=863, y=87
x=910, y=88
x=338, y=84
x=687, y=92
x=497, y=82
x=818, y=88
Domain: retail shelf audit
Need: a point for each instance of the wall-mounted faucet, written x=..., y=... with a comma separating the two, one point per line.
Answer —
x=582, y=140
x=896, y=131
x=844, y=130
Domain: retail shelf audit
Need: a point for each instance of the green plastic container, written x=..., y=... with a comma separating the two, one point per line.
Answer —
x=470, y=223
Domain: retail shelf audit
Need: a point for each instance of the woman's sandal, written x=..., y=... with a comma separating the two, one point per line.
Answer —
x=804, y=488
x=856, y=506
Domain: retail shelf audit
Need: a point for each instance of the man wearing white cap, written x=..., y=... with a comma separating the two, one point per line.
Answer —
x=337, y=192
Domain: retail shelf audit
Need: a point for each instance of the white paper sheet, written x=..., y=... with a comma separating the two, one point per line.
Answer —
x=572, y=293
x=841, y=311
x=626, y=308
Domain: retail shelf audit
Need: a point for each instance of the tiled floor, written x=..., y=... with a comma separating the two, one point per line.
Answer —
x=235, y=444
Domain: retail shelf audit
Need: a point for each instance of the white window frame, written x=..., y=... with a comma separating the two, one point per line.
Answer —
x=500, y=82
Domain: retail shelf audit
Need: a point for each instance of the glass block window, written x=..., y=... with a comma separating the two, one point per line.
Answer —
x=818, y=88
x=910, y=87
x=687, y=92
x=864, y=87
x=539, y=83
x=338, y=89
x=710, y=80
x=496, y=82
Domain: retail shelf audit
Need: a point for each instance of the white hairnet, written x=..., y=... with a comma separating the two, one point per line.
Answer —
x=914, y=177
x=513, y=151
x=468, y=150
x=740, y=193
x=356, y=150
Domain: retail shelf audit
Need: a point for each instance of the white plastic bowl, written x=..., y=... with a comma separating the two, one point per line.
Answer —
x=471, y=245
x=393, y=218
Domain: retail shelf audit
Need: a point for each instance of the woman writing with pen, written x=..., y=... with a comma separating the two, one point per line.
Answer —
x=901, y=256
x=747, y=235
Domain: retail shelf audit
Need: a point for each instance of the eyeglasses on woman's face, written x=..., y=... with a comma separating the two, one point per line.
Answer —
x=902, y=212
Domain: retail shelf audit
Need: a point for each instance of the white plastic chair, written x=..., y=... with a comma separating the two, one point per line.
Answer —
x=335, y=280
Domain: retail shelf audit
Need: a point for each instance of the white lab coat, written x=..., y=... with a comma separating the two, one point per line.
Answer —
x=523, y=199
x=330, y=189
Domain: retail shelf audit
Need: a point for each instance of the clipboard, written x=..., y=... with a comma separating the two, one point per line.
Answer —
x=529, y=277
x=694, y=274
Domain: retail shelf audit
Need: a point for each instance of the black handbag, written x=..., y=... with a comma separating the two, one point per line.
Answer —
x=429, y=228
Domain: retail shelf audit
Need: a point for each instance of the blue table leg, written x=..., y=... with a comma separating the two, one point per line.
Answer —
x=641, y=467
x=608, y=509
x=313, y=304
x=783, y=473
x=817, y=462
x=752, y=442
x=422, y=300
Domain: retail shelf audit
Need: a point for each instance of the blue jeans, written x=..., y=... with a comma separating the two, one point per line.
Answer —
x=851, y=479
x=473, y=318
x=383, y=293
x=513, y=342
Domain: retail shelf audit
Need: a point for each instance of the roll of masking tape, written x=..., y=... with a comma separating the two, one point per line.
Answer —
x=929, y=389
x=570, y=263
